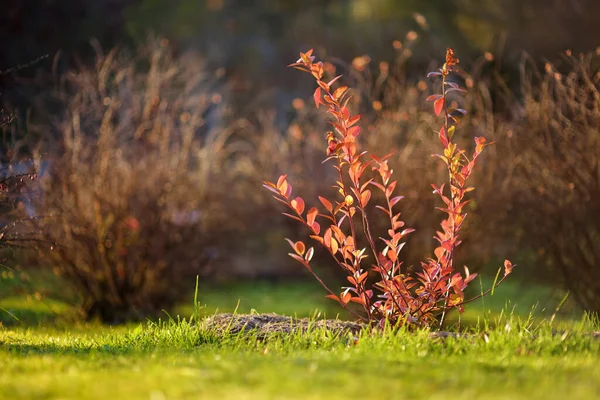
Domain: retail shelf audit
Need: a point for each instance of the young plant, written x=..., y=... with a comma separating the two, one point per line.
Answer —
x=395, y=296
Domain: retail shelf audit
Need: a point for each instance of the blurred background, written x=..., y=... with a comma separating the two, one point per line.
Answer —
x=136, y=135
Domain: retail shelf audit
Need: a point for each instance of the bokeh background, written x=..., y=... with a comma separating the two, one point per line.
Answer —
x=149, y=126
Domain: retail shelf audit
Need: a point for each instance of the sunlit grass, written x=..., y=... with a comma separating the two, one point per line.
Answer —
x=509, y=353
x=176, y=359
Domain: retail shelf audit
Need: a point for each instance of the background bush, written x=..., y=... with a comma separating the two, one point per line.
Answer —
x=544, y=186
x=132, y=202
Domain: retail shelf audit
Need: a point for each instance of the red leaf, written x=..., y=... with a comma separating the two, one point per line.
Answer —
x=391, y=254
x=407, y=231
x=365, y=197
x=345, y=113
x=363, y=276
x=439, y=252
x=383, y=209
x=309, y=254
x=298, y=205
x=395, y=200
x=470, y=278
x=316, y=227
x=508, y=267
x=353, y=120
x=326, y=203
x=281, y=180
x=293, y=217
x=345, y=297
x=333, y=296
x=317, y=238
x=299, y=259
x=378, y=185
x=311, y=215
x=339, y=92
x=327, y=238
x=317, y=97
x=438, y=105
x=300, y=248
x=443, y=137
x=271, y=187
x=334, y=246
x=354, y=131
x=357, y=300
x=331, y=82
x=434, y=97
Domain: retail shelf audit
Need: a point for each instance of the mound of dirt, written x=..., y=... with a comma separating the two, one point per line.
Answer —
x=266, y=324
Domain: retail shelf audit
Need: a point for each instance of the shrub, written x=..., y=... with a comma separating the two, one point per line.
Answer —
x=133, y=205
x=15, y=174
x=403, y=299
x=548, y=169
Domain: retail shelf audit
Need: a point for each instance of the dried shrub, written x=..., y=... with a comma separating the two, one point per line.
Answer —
x=15, y=174
x=132, y=200
x=546, y=188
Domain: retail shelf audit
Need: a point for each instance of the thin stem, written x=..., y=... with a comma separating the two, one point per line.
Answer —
x=451, y=215
x=366, y=306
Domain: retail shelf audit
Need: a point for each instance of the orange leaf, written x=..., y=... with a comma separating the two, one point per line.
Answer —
x=333, y=296
x=345, y=297
x=354, y=131
x=353, y=120
x=339, y=92
x=334, y=246
x=363, y=276
x=508, y=267
x=298, y=205
x=317, y=238
x=443, y=137
x=326, y=203
x=357, y=300
x=299, y=259
x=434, y=97
x=438, y=105
x=327, y=237
x=300, y=248
x=439, y=252
x=391, y=254
x=317, y=97
x=454, y=299
x=331, y=82
x=309, y=254
x=364, y=197
x=280, y=181
x=311, y=215
x=316, y=227
x=345, y=113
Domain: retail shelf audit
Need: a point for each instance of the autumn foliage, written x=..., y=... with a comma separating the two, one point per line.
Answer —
x=385, y=290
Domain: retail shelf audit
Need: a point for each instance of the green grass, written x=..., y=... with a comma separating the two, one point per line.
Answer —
x=177, y=360
x=511, y=356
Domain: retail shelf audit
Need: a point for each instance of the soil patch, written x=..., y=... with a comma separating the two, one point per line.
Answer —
x=266, y=324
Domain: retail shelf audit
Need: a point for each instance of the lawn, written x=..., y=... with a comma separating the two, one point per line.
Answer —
x=508, y=355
